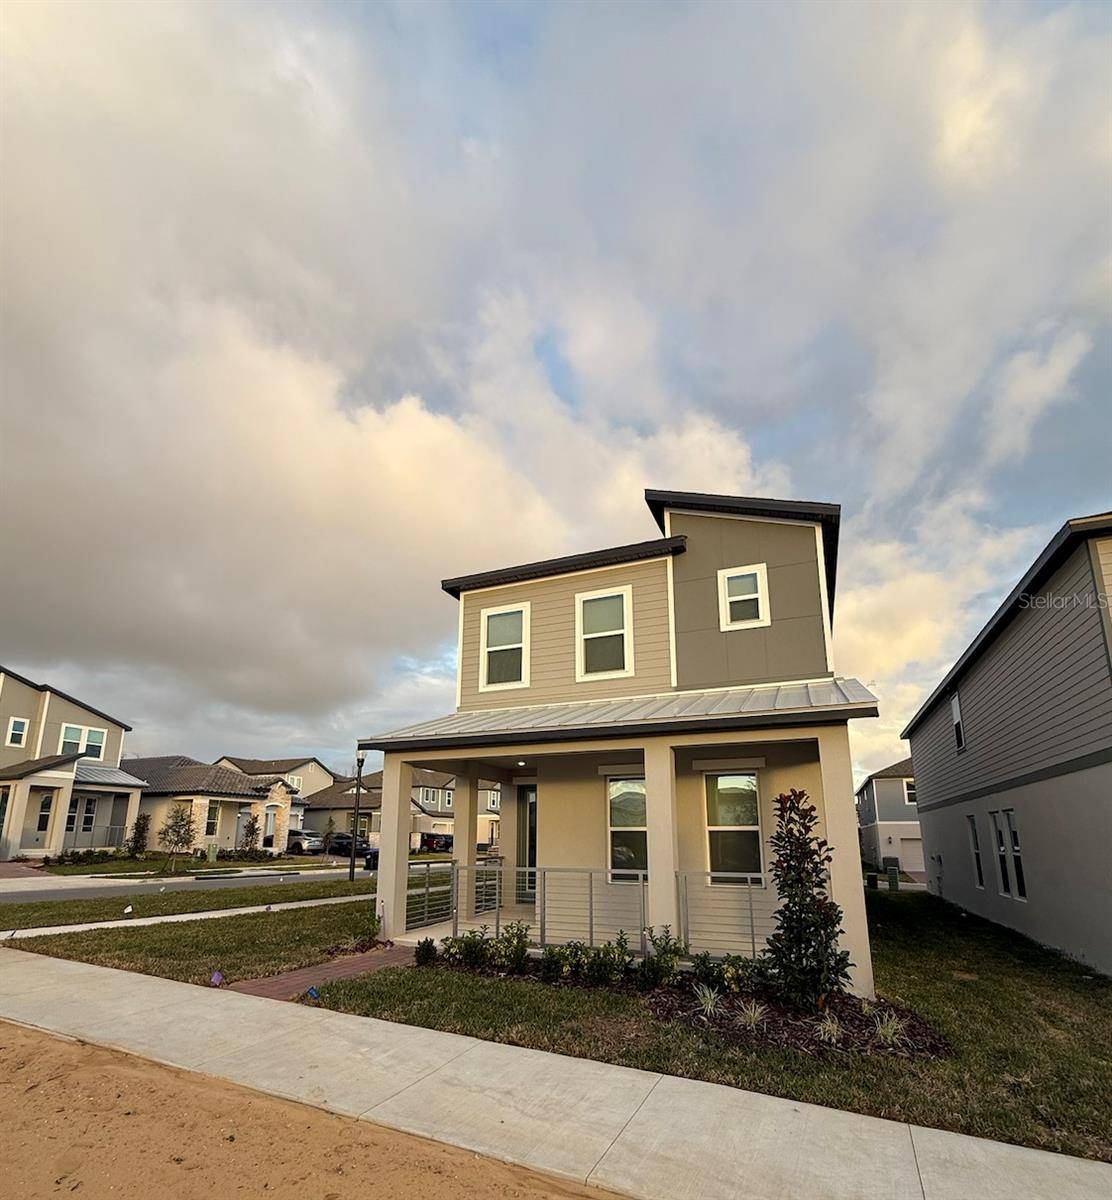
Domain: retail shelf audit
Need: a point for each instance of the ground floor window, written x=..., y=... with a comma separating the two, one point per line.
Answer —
x=4, y=793
x=71, y=815
x=1001, y=854
x=975, y=847
x=627, y=828
x=45, y=805
x=270, y=822
x=212, y=818
x=1017, y=857
x=733, y=826
x=89, y=816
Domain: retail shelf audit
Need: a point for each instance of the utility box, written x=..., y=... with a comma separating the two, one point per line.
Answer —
x=211, y=852
x=893, y=879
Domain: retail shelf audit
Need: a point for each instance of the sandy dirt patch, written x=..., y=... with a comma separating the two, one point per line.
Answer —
x=79, y=1120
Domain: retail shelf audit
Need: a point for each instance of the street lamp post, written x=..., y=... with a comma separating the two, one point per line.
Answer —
x=360, y=755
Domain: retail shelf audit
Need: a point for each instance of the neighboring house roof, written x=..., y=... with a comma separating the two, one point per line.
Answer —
x=177, y=774
x=898, y=770
x=95, y=774
x=31, y=766
x=421, y=778
x=342, y=795
x=1057, y=550
x=637, y=552
x=827, y=516
x=46, y=687
x=732, y=708
x=272, y=766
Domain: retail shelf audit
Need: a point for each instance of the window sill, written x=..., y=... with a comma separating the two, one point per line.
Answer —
x=603, y=675
x=503, y=687
x=760, y=623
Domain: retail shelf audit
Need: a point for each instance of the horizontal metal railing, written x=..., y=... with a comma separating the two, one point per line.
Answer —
x=429, y=893
x=724, y=912
x=96, y=837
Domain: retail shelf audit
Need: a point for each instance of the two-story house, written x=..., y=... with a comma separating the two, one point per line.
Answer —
x=306, y=775
x=61, y=785
x=641, y=708
x=888, y=819
x=1013, y=755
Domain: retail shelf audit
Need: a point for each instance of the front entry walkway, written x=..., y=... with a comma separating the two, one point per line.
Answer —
x=647, y=1135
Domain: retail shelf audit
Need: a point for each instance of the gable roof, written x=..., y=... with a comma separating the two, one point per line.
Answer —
x=898, y=770
x=31, y=766
x=46, y=687
x=1057, y=550
x=827, y=516
x=636, y=552
x=179, y=775
x=341, y=795
x=273, y=766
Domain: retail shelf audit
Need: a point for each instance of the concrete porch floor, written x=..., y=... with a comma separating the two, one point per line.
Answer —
x=443, y=929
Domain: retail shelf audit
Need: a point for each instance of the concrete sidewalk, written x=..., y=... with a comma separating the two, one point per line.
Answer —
x=650, y=1136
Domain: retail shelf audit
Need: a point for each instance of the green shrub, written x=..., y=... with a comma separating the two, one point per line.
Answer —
x=554, y=964
x=425, y=952
x=136, y=844
x=472, y=949
x=659, y=967
x=609, y=962
x=511, y=947
x=742, y=974
x=708, y=971
x=577, y=955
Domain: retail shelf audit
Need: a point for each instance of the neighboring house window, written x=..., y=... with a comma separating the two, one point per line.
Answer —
x=959, y=728
x=212, y=818
x=294, y=781
x=270, y=821
x=743, y=597
x=17, y=731
x=449, y=796
x=733, y=826
x=975, y=847
x=89, y=816
x=603, y=641
x=909, y=791
x=80, y=739
x=493, y=832
x=495, y=800
x=71, y=815
x=1017, y=857
x=426, y=795
x=504, y=647
x=627, y=828
x=45, y=804
x=1001, y=853
x=4, y=792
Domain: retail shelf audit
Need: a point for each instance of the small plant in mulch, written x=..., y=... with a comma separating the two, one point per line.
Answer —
x=425, y=953
x=359, y=943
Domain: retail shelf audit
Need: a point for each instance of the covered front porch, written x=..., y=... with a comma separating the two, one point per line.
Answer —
x=623, y=835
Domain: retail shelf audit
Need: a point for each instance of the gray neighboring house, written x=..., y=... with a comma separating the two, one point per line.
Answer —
x=888, y=819
x=1013, y=755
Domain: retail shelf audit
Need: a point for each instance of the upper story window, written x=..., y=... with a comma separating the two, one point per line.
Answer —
x=955, y=716
x=294, y=781
x=909, y=791
x=494, y=800
x=504, y=647
x=449, y=796
x=17, y=731
x=603, y=634
x=743, y=597
x=80, y=739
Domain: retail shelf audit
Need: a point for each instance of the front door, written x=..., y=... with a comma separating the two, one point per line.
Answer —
x=527, y=841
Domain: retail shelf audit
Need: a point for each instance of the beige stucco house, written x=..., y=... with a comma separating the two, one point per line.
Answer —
x=641, y=707
x=61, y=784
x=307, y=776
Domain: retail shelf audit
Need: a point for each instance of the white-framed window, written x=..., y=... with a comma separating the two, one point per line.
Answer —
x=504, y=647
x=955, y=716
x=975, y=850
x=733, y=827
x=909, y=791
x=1017, y=856
x=82, y=739
x=1001, y=854
x=89, y=816
x=743, y=597
x=45, y=805
x=427, y=796
x=212, y=818
x=5, y=791
x=627, y=832
x=494, y=800
x=449, y=796
x=604, y=634
x=17, y=731
x=294, y=781
x=71, y=815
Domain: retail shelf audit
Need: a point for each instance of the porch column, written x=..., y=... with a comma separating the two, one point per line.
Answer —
x=12, y=833
x=56, y=835
x=465, y=833
x=393, y=850
x=846, y=888
x=660, y=816
x=132, y=811
x=507, y=841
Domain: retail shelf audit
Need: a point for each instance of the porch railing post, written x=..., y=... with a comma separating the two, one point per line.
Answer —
x=497, y=902
x=590, y=908
x=428, y=874
x=642, y=883
x=455, y=899
x=540, y=899
x=752, y=926
x=685, y=924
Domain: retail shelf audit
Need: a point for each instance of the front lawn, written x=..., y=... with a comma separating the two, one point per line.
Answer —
x=186, y=865
x=154, y=904
x=244, y=947
x=1031, y=1032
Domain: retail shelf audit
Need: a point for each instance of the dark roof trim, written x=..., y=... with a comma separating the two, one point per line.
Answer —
x=1056, y=551
x=31, y=766
x=45, y=687
x=245, y=797
x=255, y=765
x=637, y=552
x=826, y=516
x=814, y=716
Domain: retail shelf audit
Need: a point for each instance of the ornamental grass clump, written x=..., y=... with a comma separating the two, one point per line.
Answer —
x=804, y=958
x=750, y=1015
x=709, y=999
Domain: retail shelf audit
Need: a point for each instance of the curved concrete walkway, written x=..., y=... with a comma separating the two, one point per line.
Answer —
x=647, y=1135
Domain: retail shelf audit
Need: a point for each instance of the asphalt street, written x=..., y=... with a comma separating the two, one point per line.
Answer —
x=23, y=893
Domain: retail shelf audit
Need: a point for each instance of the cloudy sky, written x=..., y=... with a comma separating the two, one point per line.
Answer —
x=307, y=306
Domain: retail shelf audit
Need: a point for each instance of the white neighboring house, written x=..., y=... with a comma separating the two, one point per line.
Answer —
x=888, y=819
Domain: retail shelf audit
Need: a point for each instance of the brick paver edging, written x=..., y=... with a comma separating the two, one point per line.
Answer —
x=295, y=983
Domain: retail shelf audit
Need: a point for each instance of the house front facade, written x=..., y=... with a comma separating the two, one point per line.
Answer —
x=640, y=708
x=1013, y=755
x=306, y=776
x=61, y=783
x=888, y=819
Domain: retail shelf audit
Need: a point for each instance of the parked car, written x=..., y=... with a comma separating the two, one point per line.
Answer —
x=340, y=845
x=436, y=843
x=304, y=841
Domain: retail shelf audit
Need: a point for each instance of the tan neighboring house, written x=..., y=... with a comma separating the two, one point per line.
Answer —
x=888, y=819
x=307, y=775
x=222, y=800
x=61, y=783
x=640, y=708
x=1013, y=755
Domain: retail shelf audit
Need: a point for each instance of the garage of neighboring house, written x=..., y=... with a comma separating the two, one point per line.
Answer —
x=911, y=854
